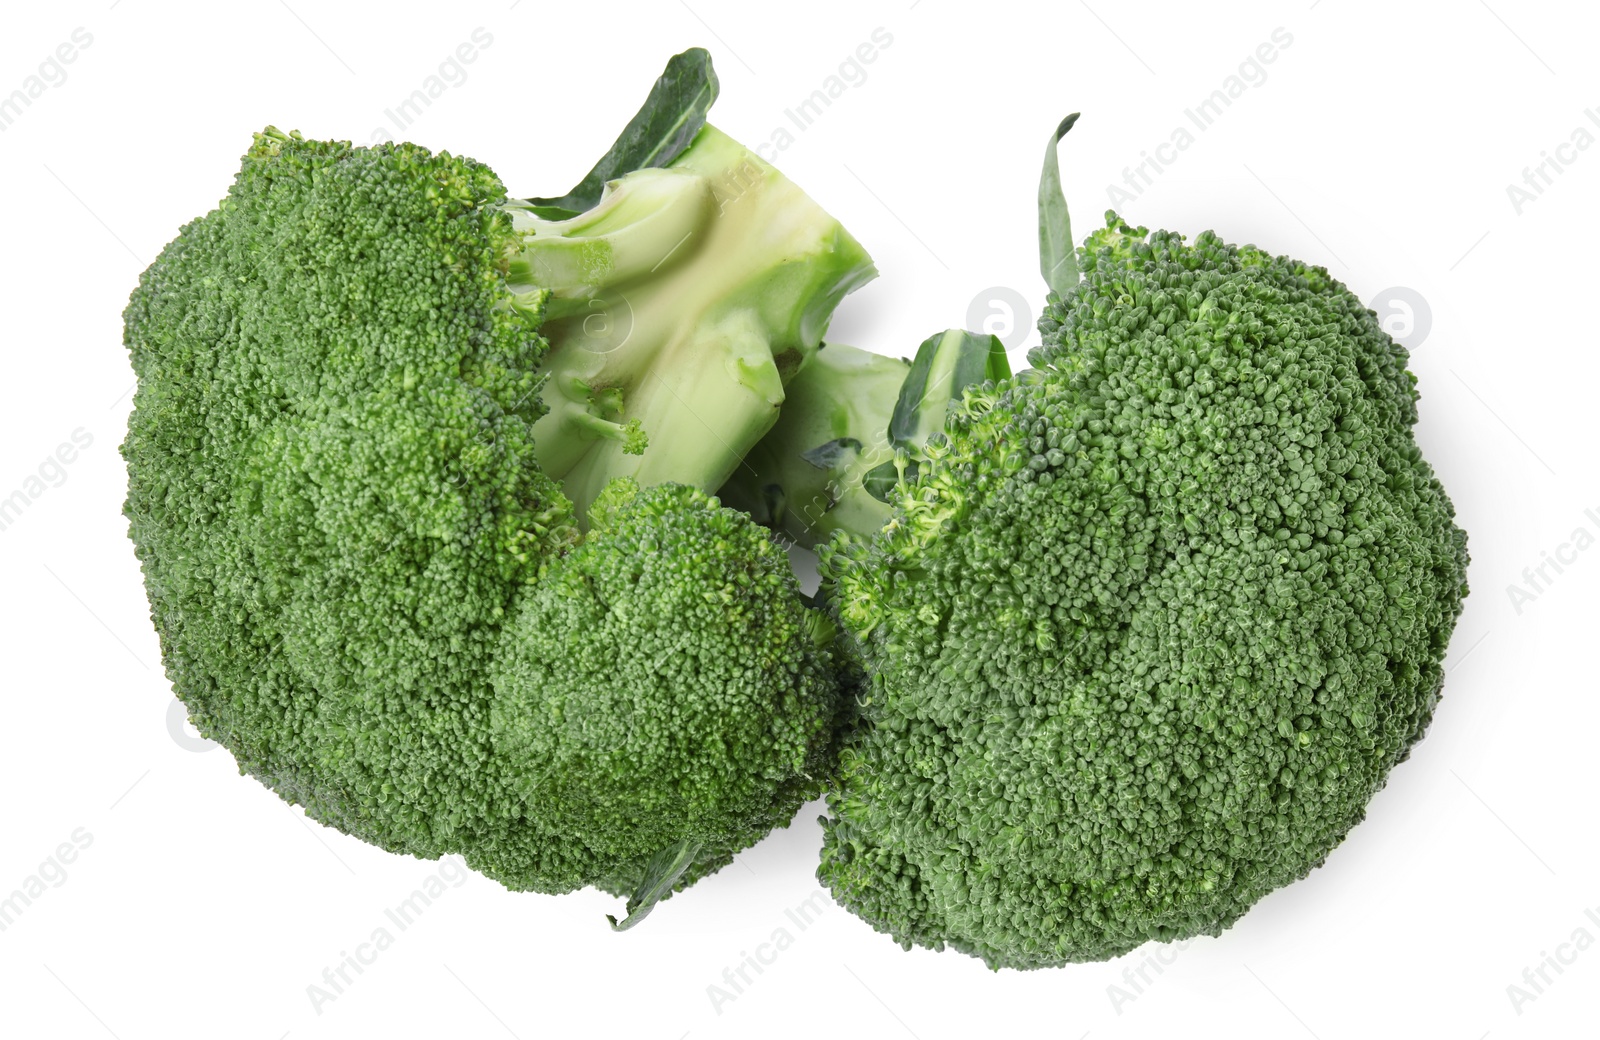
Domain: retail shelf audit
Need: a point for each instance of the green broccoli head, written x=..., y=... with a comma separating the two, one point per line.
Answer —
x=667, y=684
x=337, y=497
x=331, y=485
x=1154, y=621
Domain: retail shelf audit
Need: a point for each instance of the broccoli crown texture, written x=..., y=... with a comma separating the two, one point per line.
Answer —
x=666, y=679
x=1153, y=623
x=330, y=484
x=337, y=503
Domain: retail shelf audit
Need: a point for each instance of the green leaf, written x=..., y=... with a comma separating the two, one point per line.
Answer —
x=662, y=128
x=1058, y=261
x=995, y=365
x=660, y=875
x=829, y=455
x=881, y=480
x=947, y=363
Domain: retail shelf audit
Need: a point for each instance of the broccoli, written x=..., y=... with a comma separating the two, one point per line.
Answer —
x=651, y=729
x=676, y=310
x=421, y=478
x=853, y=425
x=1149, y=624
x=375, y=398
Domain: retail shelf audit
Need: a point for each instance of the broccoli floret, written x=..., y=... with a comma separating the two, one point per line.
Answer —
x=1151, y=623
x=336, y=495
x=331, y=485
x=666, y=680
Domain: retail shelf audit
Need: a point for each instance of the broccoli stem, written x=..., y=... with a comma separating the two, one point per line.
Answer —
x=630, y=435
x=676, y=309
x=856, y=426
x=805, y=477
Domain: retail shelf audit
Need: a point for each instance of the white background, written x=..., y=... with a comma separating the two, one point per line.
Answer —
x=1381, y=143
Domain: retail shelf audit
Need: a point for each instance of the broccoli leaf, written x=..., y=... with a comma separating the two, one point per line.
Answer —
x=880, y=481
x=660, y=875
x=828, y=455
x=1058, y=261
x=663, y=127
x=946, y=364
